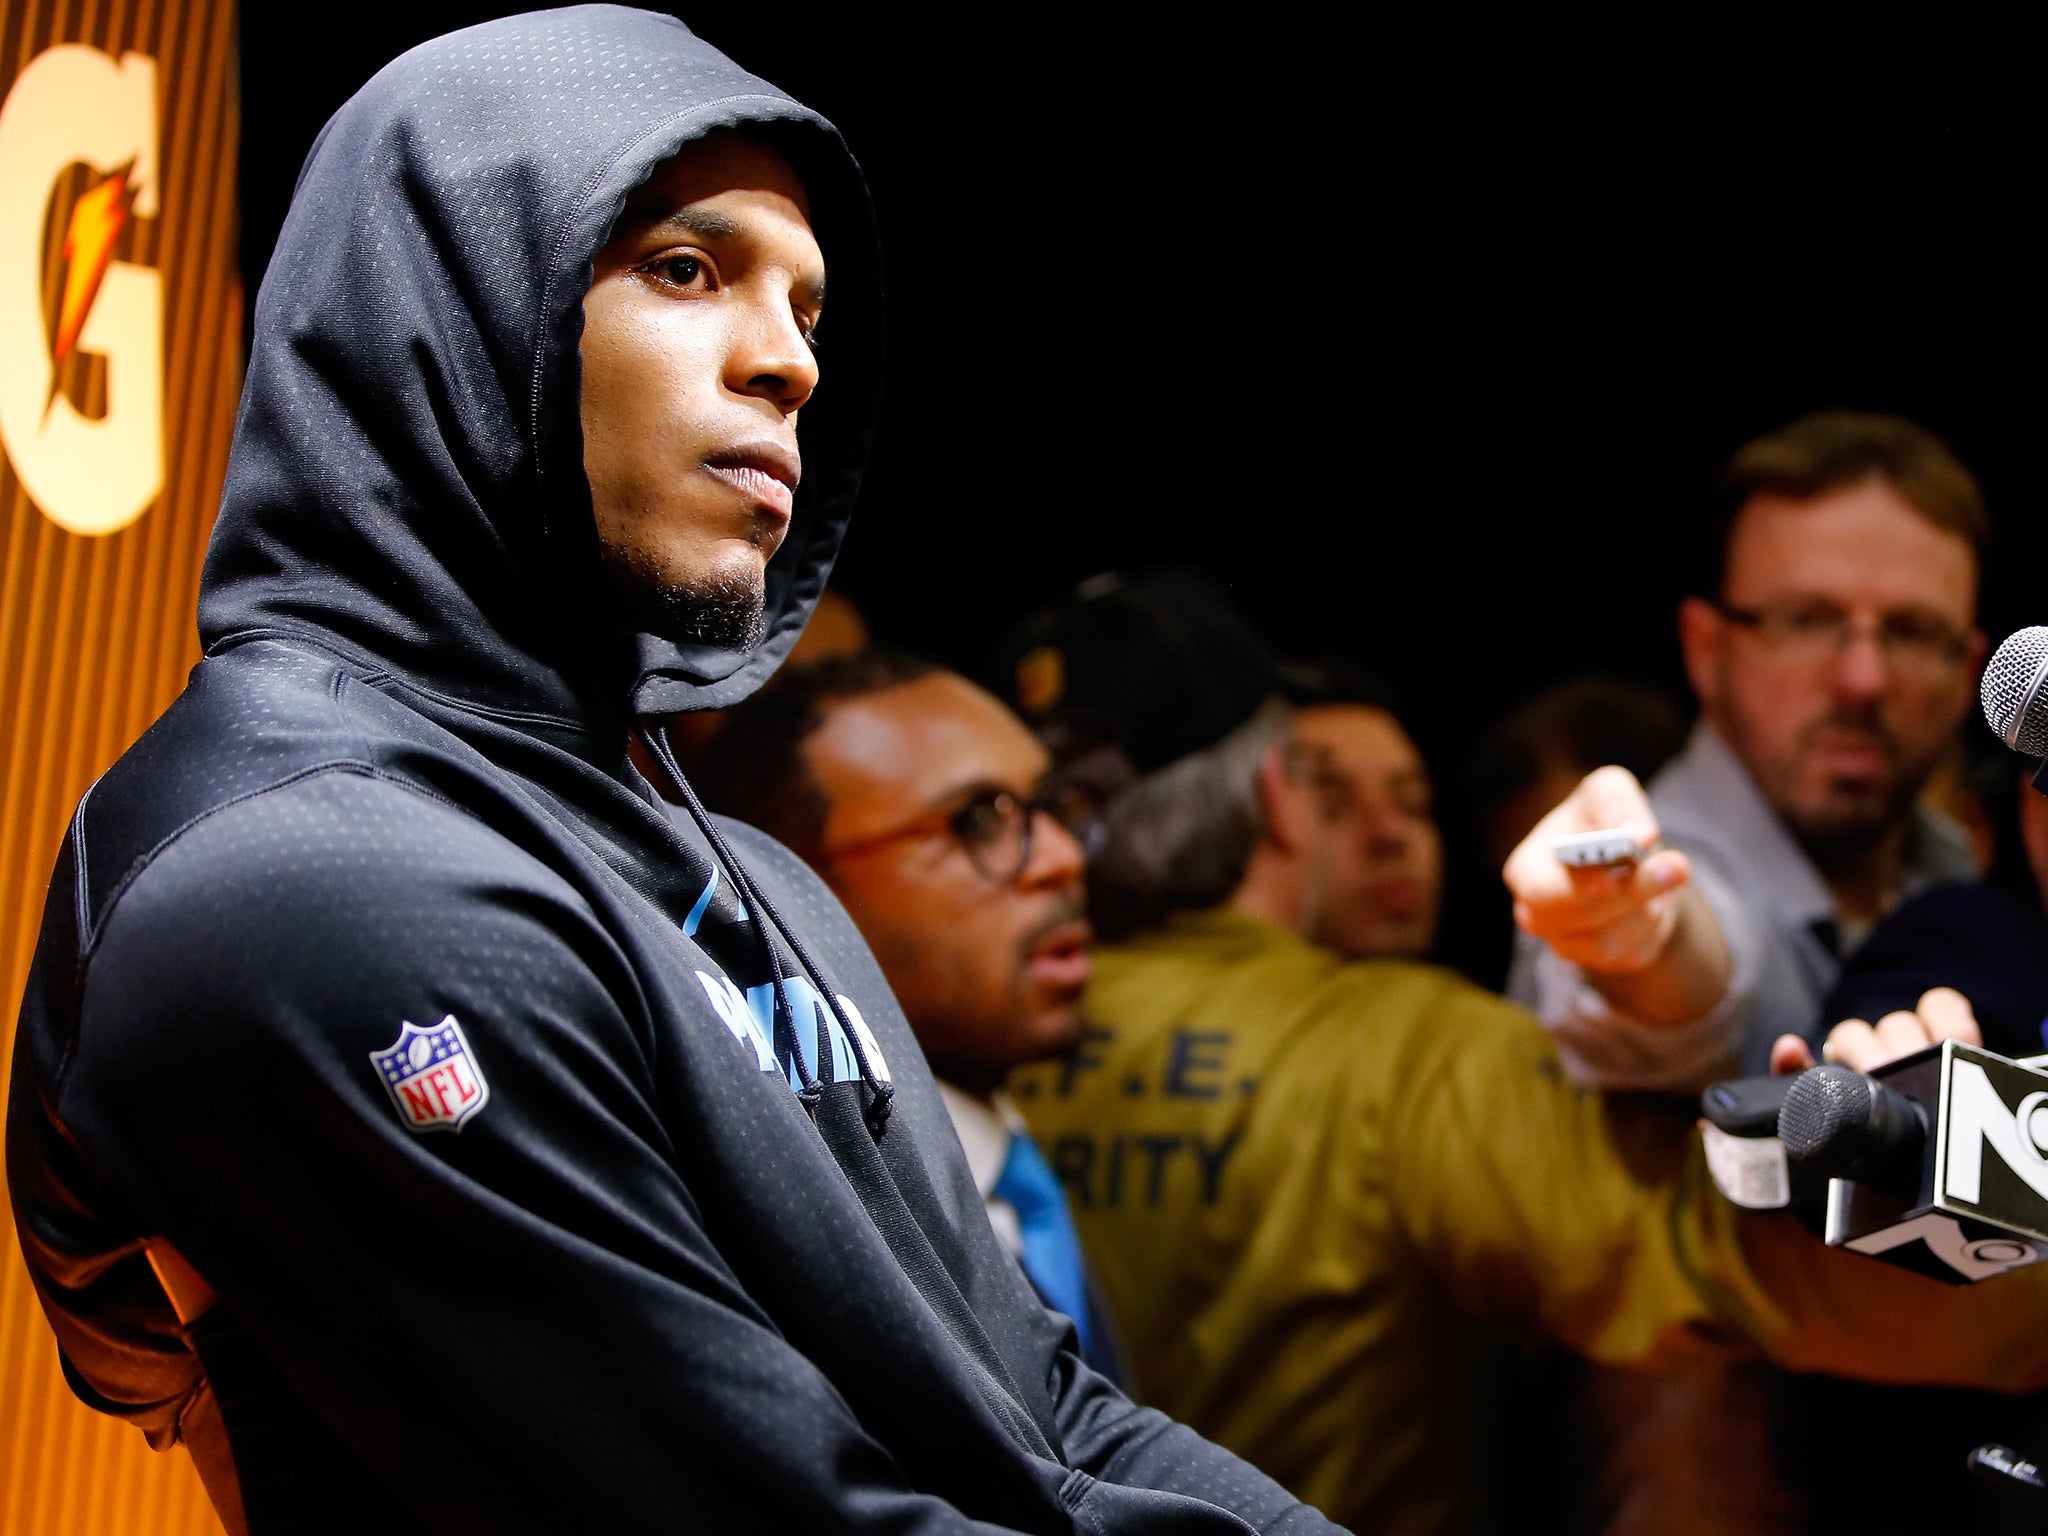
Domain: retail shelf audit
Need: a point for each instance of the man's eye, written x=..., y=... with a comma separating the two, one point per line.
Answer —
x=683, y=271
x=978, y=821
x=1340, y=795
x=1917, y=629
x=1813, y=621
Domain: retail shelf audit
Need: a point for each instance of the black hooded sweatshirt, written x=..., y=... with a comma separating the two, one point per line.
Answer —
x=561, y=1162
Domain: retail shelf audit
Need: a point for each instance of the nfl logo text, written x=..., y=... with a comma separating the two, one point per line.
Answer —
x=431, y=1076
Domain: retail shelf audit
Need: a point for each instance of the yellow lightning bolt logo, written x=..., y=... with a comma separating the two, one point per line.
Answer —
x=97, y=219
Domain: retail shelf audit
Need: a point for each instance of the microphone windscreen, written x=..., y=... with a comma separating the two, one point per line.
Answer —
x=1837, y=1122
x=1823, y=1108
x=2012, y=693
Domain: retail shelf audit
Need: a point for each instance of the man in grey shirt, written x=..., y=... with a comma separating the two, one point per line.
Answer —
x=1833, y=649
x=1833, y=652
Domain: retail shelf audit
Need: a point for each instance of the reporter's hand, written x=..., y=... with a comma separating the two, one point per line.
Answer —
x=1614, y=920
x=1941, y=1014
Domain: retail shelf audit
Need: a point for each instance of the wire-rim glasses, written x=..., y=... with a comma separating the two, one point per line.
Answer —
x=1810, y=631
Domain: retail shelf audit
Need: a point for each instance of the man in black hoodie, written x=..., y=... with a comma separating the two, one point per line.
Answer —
x=412, y=1112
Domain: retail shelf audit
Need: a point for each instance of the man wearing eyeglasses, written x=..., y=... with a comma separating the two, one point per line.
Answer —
x=1833, y=651
x=923, y=803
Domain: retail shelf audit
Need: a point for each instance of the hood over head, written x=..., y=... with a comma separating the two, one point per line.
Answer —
x=406, y=484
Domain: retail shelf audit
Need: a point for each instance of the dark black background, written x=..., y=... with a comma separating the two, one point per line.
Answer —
x=1426, y=340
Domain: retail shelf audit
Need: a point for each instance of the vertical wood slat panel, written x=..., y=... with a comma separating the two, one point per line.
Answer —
x=96, y=635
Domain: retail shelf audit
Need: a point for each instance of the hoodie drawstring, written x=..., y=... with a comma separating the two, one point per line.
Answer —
x=758, y=906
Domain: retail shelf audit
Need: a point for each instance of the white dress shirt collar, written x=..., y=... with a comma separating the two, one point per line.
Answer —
x=985, y=1128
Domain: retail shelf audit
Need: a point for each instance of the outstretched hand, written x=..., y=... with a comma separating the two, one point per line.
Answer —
x=1941, y=1014
x=1615, y=919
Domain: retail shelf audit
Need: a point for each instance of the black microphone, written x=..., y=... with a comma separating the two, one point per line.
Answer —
x=1844, y=1125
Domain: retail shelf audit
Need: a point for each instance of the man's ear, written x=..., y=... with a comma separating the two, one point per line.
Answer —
x=1281, y=802
x=1702, y=633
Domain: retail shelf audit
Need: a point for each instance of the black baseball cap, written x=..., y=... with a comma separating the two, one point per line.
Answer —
x=1160, y=665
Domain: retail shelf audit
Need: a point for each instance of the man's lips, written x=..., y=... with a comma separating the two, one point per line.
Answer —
x=1399, y=897
x=1849, y=752
x=765, y=473
x=1060, y=955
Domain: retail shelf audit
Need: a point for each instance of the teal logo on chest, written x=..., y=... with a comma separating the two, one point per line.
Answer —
x=750, y=1016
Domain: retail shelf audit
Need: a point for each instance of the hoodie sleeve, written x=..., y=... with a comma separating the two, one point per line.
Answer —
x=1112, y=1439
x=525, y=1324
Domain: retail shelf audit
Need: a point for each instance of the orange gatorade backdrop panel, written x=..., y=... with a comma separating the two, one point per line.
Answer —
x=120, y=365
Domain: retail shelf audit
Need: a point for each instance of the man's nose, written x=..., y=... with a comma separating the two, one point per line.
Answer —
x=1056, y=858
x=1385, y=827
x=771, y=359
x=1861, y=667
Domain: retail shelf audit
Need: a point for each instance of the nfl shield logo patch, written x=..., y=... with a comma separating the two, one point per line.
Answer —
x=431, y=1076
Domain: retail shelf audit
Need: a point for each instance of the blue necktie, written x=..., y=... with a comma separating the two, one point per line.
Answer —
x=1052, y=1253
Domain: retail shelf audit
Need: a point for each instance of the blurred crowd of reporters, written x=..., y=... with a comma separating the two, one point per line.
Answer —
x=1823, y=846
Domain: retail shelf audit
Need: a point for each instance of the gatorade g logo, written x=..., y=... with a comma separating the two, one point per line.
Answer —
x=76, y=104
